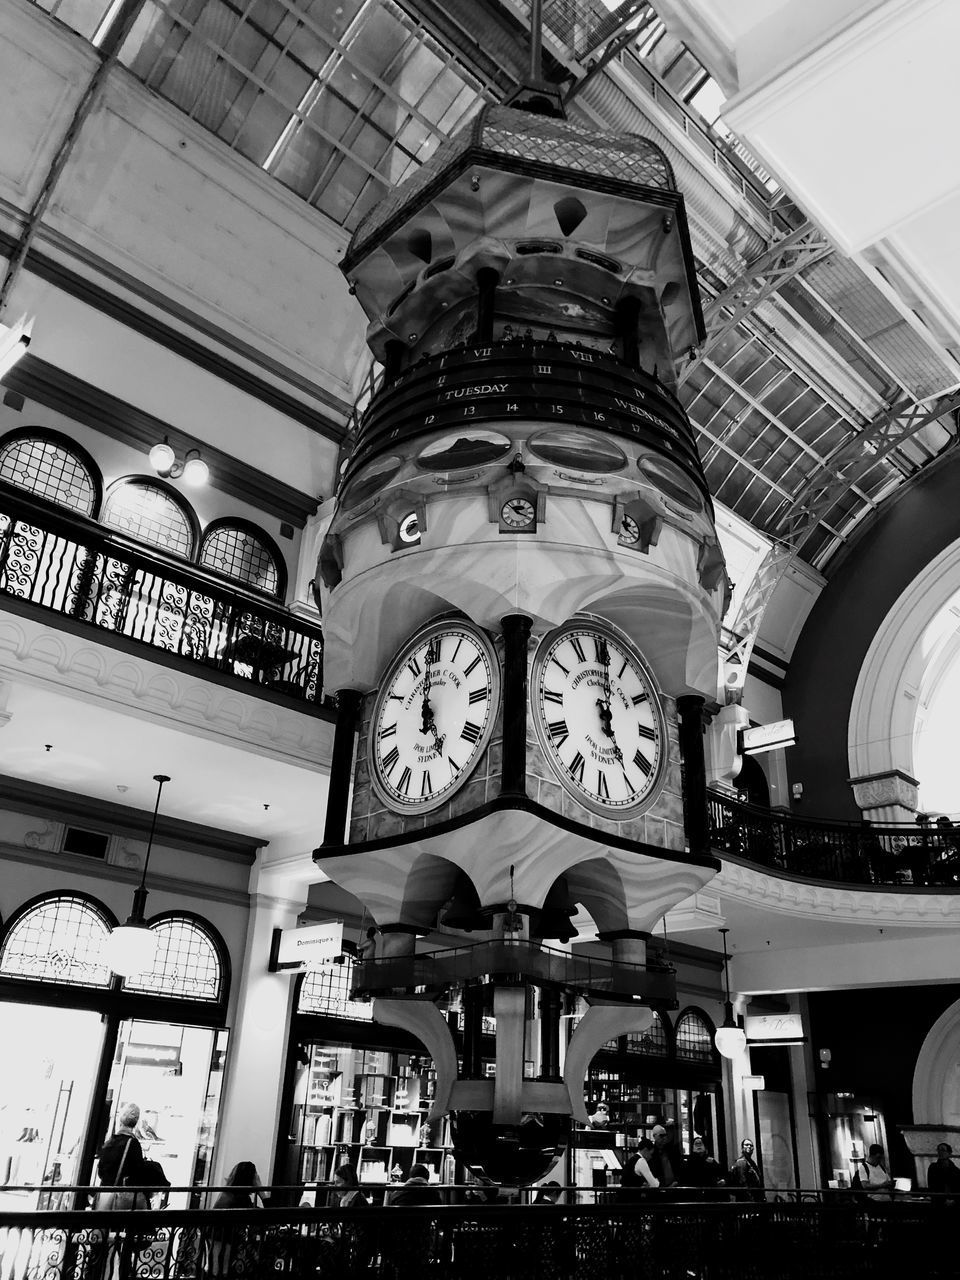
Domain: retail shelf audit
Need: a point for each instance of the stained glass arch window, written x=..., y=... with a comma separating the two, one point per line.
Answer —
x=655, y=1041
x=189, y=964
x=150, y=512
x=244, y=553
x=694, y=1037
x=51, y=466
x=327, y=991
x=58, y=938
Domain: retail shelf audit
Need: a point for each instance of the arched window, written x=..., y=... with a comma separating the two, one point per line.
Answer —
x=150, y=513
x=244, y=553
x=188, y=963
x=655, y=1041
x=57, y=938
x=694, y=1037
x=52, y=467
x=327, y=991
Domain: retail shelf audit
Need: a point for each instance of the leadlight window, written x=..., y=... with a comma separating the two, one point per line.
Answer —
x=654, y=1041
x=58, y=939
x=241, y=555
x=327, y=991
x=187, y=963
x=50, y=470
x=150, y=514
x=694, y=1038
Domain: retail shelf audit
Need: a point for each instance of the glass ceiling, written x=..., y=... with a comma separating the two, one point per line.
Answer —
x=336, y=99
x=340, y=100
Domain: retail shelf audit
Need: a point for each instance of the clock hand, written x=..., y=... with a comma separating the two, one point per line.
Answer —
x=426, y=711
x=603, y=704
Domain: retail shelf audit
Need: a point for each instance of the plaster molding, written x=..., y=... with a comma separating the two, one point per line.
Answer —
x=851, y=905
x=880, y=790
x=40, y=655
x=46, y=836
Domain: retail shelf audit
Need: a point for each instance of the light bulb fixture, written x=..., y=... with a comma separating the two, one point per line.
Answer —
x=14, y=340
x=130, y=948
x=192, y=468
x=730, y=1039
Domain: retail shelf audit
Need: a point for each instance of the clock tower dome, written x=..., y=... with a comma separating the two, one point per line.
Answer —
x=522, y=596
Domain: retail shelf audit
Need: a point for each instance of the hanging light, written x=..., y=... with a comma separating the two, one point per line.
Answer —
x=730, y=1039
x=130, y=948
x=162, y=458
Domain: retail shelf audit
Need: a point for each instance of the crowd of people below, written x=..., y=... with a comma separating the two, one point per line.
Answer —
x=657, y=1164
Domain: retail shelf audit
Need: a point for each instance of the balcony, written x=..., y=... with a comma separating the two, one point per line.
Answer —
x=918, y=856
x=75, y=570
x=426, y=974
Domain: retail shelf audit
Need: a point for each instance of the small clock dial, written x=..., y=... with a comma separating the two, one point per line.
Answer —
x=518, y=513
x=598, y=717
x=629, y=530
x=433, y=716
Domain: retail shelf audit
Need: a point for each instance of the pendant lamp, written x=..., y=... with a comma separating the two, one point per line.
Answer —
x=130, y=948
x=730, y=1039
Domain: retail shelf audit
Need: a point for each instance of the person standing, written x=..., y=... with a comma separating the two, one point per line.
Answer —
x=701, y=1171
x=638, y=1177
x=665, y=1160
x=874, y=1178
x=745, y=1176
x=121, y=1164
x=943, y=1175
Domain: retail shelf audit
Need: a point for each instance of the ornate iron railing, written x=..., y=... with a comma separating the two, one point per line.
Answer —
x=73, y=567
x=850, y=852
x=430, y=972
x=692, y=1241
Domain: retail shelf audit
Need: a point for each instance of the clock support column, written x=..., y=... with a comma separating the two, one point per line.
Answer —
x=341, y=765
x=690, y=709
x=516, y=638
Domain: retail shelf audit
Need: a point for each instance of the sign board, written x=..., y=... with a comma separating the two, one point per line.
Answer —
x=773, y=1028
x=312, y=946
x=768, y=737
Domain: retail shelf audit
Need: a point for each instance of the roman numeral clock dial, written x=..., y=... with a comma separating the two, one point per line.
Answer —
x=598, y=717
x=432, y=717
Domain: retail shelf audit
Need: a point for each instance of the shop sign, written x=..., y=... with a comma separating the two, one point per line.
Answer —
x=153, y=1055
x=312, y=946
x=774, y=1028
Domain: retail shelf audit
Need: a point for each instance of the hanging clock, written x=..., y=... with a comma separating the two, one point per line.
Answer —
x=598, y=716
x=433, y=716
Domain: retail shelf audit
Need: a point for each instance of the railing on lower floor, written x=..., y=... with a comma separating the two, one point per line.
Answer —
x=659, y=1241
x=851, y=852
x=71, y=566
x=433, y=971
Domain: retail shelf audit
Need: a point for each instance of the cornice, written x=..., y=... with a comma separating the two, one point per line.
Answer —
x=45, y=384
x=52, y=803
x=847, y=905
x=36, y=653
x=193, y=890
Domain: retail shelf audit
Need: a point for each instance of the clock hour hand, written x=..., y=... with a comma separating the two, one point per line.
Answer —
x=603, y=704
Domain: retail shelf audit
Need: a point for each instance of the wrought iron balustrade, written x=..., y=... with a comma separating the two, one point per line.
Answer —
x=73, y=567
x=661, y=1237
x=850, y=852
x=429, y=972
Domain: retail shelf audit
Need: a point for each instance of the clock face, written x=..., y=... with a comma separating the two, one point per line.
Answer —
x=598, y=717
x=518, y=513
x=629, y=530
x=433, y=716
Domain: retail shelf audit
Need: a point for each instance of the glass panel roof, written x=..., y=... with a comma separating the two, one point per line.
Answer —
x=337, y=103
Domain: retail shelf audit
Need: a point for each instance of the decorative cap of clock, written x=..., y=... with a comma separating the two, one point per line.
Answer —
x=508, y=138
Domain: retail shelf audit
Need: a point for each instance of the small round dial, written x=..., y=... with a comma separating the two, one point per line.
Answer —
x=518, y=513
x=598, y=717
x=629, y=530
x=433, y=716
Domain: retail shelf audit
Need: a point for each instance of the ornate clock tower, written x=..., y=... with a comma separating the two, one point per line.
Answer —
x=523, y=590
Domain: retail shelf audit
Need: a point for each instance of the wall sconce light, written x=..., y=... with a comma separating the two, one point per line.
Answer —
x=14, y=340
x=130, y=948
x=165, y=463
x=730, y=1039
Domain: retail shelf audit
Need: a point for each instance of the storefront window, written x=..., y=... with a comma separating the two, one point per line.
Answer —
x=172, y=1072
x=45, y=1099
x=367, y=1107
